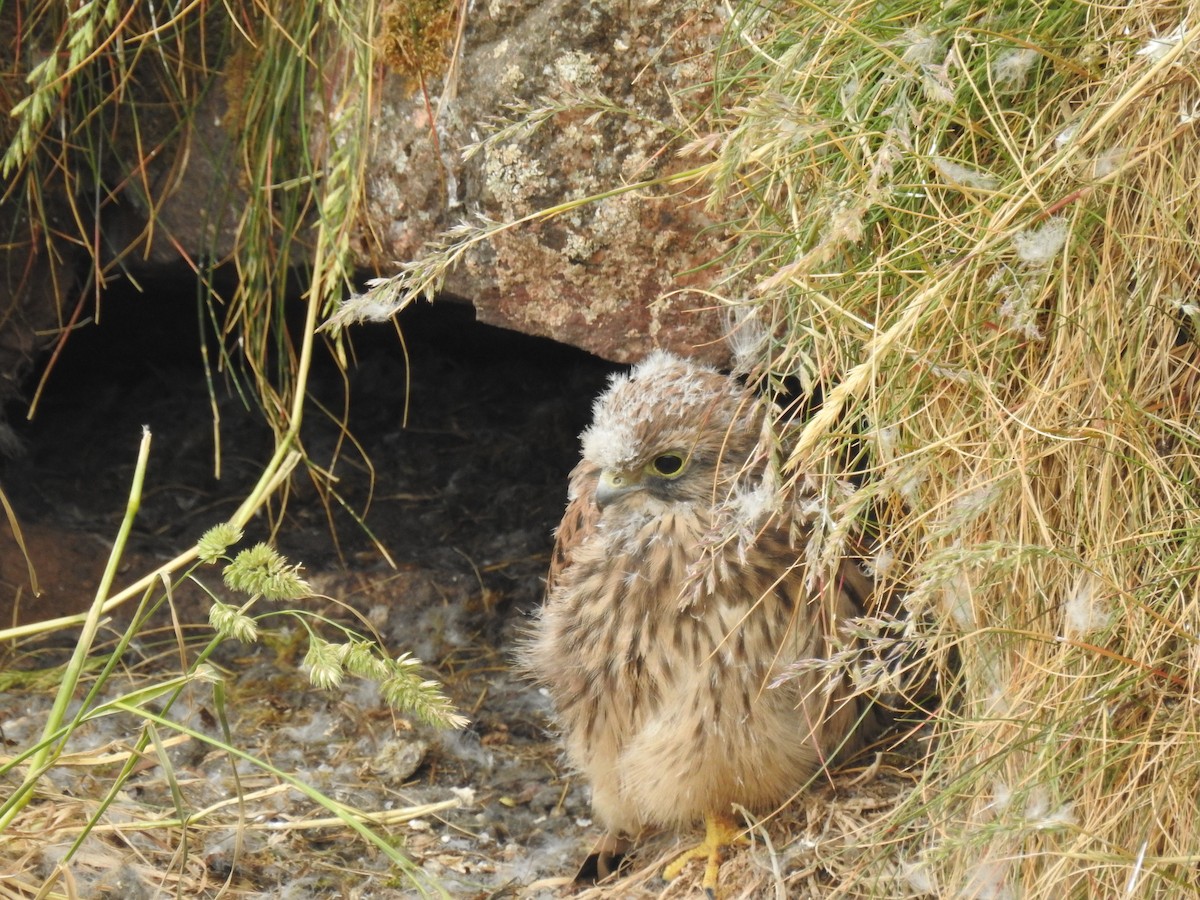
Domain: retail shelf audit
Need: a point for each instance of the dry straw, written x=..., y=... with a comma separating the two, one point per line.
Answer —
x=975, y=227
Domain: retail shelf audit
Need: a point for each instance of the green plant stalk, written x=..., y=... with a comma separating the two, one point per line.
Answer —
x=48, y=740
x=282, y=462
x=196, y=819
x=132, y=703
x=176, y=686
x=342, y=812
x=275, y=473
x=91, y=625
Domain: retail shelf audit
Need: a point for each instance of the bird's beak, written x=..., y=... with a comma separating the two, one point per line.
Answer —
x=613, y=485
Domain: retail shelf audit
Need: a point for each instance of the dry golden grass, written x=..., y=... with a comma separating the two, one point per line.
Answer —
x=976, y=228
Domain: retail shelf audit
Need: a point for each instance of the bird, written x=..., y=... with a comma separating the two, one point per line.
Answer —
x=680, y=623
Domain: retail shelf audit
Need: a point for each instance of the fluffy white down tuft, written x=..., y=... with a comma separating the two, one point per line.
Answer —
x=662, y=386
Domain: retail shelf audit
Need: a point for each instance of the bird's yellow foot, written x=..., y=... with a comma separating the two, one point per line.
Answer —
x=719, y=833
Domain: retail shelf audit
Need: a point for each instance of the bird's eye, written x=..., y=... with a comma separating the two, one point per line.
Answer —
x=668, y=465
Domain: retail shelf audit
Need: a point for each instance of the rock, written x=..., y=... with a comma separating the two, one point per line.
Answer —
x=617, y=276
x=398, y=758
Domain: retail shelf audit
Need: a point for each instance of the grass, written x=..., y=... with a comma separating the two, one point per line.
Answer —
x=969, y=226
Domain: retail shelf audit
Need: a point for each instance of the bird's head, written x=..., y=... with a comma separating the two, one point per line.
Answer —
x=671, y=431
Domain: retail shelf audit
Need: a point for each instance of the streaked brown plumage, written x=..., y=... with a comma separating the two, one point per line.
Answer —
x=676, y=597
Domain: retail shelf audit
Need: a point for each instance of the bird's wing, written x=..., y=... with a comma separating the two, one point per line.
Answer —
x=578, y=521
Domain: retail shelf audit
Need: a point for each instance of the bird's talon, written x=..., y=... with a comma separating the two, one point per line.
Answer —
x=720, y=832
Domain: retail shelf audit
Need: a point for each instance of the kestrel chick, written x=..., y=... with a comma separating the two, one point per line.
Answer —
x=676, y=597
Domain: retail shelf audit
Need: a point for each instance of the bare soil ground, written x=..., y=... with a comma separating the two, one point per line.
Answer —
x=463, y=498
